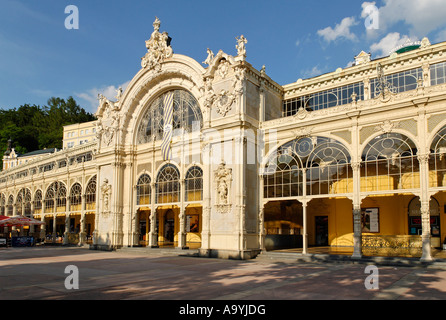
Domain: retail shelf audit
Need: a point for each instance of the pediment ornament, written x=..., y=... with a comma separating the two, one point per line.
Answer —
x=223, y=102
x=387, y=126
x=158, y=48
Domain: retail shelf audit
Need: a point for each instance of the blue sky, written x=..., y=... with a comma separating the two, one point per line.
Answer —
x=40, y=58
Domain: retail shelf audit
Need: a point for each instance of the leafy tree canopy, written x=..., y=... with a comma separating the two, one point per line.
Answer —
x=32, y=127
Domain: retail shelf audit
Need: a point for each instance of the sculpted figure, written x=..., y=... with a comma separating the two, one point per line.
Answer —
x=209, y=58
x=223, y=176
x=106, y=191
x=241, y=42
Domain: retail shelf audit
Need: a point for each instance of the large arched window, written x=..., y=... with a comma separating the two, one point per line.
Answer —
x=38, y=201
x=168, y=184
x=23, y=202
x=56, y=192
x=389, y=163
x=326, y=163
x=76, y=197
x=194, y=184
x=90, y=194
x=10, y=205
x=283, y=175
x=143, y=190
x=27, y=205
x=186, y=115
x=19, y=201
x=437, y=160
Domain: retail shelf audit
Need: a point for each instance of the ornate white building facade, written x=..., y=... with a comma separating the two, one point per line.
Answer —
x=237, y=163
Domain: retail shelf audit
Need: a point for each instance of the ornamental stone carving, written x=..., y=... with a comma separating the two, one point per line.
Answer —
x=425, y=43
x=384, y=89
x=223, y=179
x=387, y=126
x=158, y=48
x=240, y=77
x=301, y=114
x=223, y=102
x=301, y=132
x=223, y=68
x=209, y=94
x=108, y=121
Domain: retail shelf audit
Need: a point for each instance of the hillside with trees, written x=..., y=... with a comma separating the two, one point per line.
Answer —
x=32, y=127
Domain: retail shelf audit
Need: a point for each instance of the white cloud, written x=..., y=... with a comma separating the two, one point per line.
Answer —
x=341, y=30
x=370, y=14
x=422, y=16
x=315, y=71
x=389, y=42
x=91, y=96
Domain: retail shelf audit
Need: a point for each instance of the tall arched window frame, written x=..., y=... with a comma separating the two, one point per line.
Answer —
x=187, y=117
x=143, y=190
x=27, y=205
x=90, y=194
x=194, y=184
x=56, y=192
x=75, y=197
x=10, y=205
x=389, y=162
x=168, y=184
x=437, y=159
x=19, y=201
x=23, y=202
x=324, y=161
x=38, y=200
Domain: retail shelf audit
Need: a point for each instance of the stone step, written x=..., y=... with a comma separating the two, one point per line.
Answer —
x=332, y=258
x=163, y=251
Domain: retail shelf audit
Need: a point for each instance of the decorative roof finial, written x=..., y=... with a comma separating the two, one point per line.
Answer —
x=156, y=24
x=158, y=48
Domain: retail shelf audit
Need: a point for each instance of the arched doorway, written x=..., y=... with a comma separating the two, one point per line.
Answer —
x=169, y=227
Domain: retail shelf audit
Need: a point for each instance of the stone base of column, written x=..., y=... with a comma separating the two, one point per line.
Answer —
x=65, y=238
x=427, y=251
x=229, y=254
x=356, y=255
x=82, y=239
x=153, y=240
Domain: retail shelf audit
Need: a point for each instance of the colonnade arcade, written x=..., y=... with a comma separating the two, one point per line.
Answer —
x=177, y=202
x=69, y=215
x=311, y=185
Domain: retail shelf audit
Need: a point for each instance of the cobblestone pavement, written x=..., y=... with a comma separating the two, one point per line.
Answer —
x=38, y=273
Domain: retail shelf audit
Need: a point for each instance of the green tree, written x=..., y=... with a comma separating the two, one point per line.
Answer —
x=32, y=127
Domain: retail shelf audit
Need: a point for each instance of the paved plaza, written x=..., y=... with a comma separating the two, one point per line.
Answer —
x=38, y=273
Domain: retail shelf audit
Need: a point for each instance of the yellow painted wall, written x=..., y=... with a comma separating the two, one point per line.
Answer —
x=393, y=217
x=192, y=237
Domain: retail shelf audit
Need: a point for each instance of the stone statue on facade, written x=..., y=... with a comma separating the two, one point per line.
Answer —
x=106, y=193
x=223, y=178
x=118, y=94
x=209, y=58
x=241, y=46
x=158, y=48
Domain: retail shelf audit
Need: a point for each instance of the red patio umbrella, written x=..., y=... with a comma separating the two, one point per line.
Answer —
x=20, y=221
x=3, y=217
